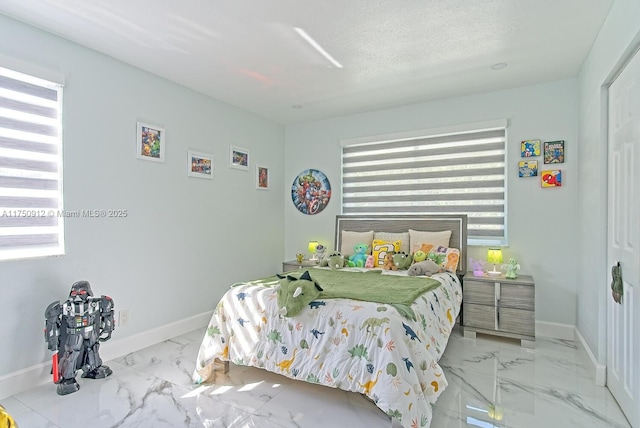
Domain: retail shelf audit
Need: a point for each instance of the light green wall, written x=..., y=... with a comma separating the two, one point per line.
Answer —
x=183, y=241
x=542, y=227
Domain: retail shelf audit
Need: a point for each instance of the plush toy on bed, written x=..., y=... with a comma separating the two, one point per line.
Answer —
x=359, y=258
x=402, y=260
x=334, y=260
x=294, y=294
x=388, y=262
x=369, y=263
x=419, y=256
x=426, y=267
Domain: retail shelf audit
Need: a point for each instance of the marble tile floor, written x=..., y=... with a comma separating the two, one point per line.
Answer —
x=492, y=383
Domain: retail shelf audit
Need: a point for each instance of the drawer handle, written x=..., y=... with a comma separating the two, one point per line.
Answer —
x=497, y=319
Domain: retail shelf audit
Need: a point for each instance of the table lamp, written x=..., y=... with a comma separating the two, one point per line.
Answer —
x=494, y=256
x=312, y=249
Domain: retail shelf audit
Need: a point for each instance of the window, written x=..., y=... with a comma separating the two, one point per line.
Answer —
x=455, y=170
x=31, y=221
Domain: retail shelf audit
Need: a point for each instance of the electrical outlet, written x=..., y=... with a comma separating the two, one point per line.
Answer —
x=123, y=317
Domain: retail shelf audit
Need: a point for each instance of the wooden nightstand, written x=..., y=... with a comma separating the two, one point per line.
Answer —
x=500, y=306
x=294, y=265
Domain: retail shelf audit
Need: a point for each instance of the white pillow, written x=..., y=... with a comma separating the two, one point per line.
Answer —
x=393, y=237
x=350, y=239
x=419, y=237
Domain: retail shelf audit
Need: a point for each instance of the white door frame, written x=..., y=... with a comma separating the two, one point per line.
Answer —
x=626, y=58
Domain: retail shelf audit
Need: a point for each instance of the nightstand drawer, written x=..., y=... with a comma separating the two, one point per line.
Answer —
x=483, y=293
x=517, y=321
x=517, y=296
x=479, y=316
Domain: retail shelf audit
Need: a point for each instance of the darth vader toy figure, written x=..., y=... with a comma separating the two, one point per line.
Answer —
x=74, y=328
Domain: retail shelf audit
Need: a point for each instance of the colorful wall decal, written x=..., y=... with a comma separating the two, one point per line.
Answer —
x=311, y=191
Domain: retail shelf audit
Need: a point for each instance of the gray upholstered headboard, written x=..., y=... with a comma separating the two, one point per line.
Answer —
x=457, y=224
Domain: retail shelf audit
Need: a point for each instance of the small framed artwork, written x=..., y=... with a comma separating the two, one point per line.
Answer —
x=554, y=151
x=199, y=165
x=529, y=148
x=150, y=142
x=239, y=158
x=262, y=177
x=551, y=178
x=528, y=168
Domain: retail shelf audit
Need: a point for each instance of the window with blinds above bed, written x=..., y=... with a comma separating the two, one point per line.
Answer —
x=455, y=170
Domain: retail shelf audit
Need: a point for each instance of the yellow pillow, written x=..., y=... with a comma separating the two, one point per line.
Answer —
x=380, y=248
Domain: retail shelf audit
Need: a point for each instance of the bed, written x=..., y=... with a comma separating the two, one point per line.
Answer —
x=386, y=350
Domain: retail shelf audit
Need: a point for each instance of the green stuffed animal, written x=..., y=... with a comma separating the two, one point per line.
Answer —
x=419, y=256
x=402, y=260
x=334, y=260
x=294, y=294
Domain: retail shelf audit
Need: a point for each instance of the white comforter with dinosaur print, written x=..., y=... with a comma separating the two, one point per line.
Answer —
x=348, y=344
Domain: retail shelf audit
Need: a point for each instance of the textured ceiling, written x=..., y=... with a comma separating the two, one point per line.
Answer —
x=247, y=53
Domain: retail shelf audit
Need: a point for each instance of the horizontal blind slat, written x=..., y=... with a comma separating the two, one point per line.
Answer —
x=28, y=88
x=27, y=240
x=28, y=108
x=29, y=146
x=20, y=202
x=45, y=221
x=443, y=139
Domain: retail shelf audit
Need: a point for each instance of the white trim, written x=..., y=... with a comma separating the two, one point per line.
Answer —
x=599, y=370
x=31, y=69
x=453, y=129
x=40, y=374
x=555, y=330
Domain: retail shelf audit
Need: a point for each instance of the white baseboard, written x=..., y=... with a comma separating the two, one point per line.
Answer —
x=39, y=374
x=555, y=330
x=599, y=370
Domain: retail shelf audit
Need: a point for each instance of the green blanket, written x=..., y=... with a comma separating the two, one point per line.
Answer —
x=370, y=286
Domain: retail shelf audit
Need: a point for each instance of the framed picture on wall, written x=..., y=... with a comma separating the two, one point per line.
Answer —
x=199, y=164
x=551, y=178
x=529, y=148
x=150, y=142
x=528, y=168
x=554, y=151
x=262, y=177
x=238, y=158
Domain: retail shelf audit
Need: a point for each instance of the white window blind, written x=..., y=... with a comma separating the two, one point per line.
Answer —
x=460, y=172
x=31, y=224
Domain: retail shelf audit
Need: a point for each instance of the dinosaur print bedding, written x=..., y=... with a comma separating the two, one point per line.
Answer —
x=353, y=345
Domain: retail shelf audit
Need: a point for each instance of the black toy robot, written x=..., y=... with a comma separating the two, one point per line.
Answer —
x=74, y=328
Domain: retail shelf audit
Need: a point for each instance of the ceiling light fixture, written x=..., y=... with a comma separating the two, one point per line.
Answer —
x=317, y=47
x=499, y=66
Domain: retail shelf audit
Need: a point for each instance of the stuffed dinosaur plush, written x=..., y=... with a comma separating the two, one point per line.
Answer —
x=402, y=260
x=426, y=267
x=419, y=256
x=335, y=260
x=359, y=258
x=294, y=294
